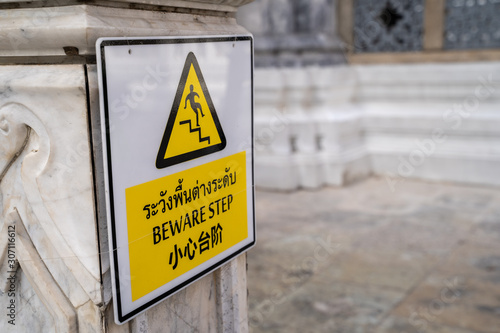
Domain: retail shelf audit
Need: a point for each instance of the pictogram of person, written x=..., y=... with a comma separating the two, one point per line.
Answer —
x=195, y=106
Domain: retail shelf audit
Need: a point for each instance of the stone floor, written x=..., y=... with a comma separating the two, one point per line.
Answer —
x=424, y=258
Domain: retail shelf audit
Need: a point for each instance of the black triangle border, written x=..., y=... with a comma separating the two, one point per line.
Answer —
x=161, y=161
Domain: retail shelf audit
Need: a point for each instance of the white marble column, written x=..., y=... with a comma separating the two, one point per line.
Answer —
x=51, y=186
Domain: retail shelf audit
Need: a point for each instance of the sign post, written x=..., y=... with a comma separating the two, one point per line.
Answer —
x=177, y=142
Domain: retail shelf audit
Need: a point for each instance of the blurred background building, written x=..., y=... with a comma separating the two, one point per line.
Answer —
x=396, y=88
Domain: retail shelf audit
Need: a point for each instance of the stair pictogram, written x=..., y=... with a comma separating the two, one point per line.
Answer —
x=196, y=129
x=183, y=143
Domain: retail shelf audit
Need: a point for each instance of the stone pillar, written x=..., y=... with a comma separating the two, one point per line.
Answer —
x=54, y=261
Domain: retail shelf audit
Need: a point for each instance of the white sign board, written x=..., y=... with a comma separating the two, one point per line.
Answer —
x=176, y=119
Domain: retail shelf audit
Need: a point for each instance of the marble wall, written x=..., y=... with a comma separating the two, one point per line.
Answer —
x=318, y=126
x=328, y=123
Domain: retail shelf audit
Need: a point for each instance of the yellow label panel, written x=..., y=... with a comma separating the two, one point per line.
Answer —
x=178, y=222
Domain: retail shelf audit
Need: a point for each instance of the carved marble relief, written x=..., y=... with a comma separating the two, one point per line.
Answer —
x=46, y=192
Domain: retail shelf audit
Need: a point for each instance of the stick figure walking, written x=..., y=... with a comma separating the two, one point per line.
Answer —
x=195, y=106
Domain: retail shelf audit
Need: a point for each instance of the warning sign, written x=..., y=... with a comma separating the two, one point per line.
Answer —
x=193, y=128
x=177, y=143
x=179, y=221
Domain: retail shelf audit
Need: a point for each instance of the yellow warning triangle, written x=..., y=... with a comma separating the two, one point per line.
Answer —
x=193, y=128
